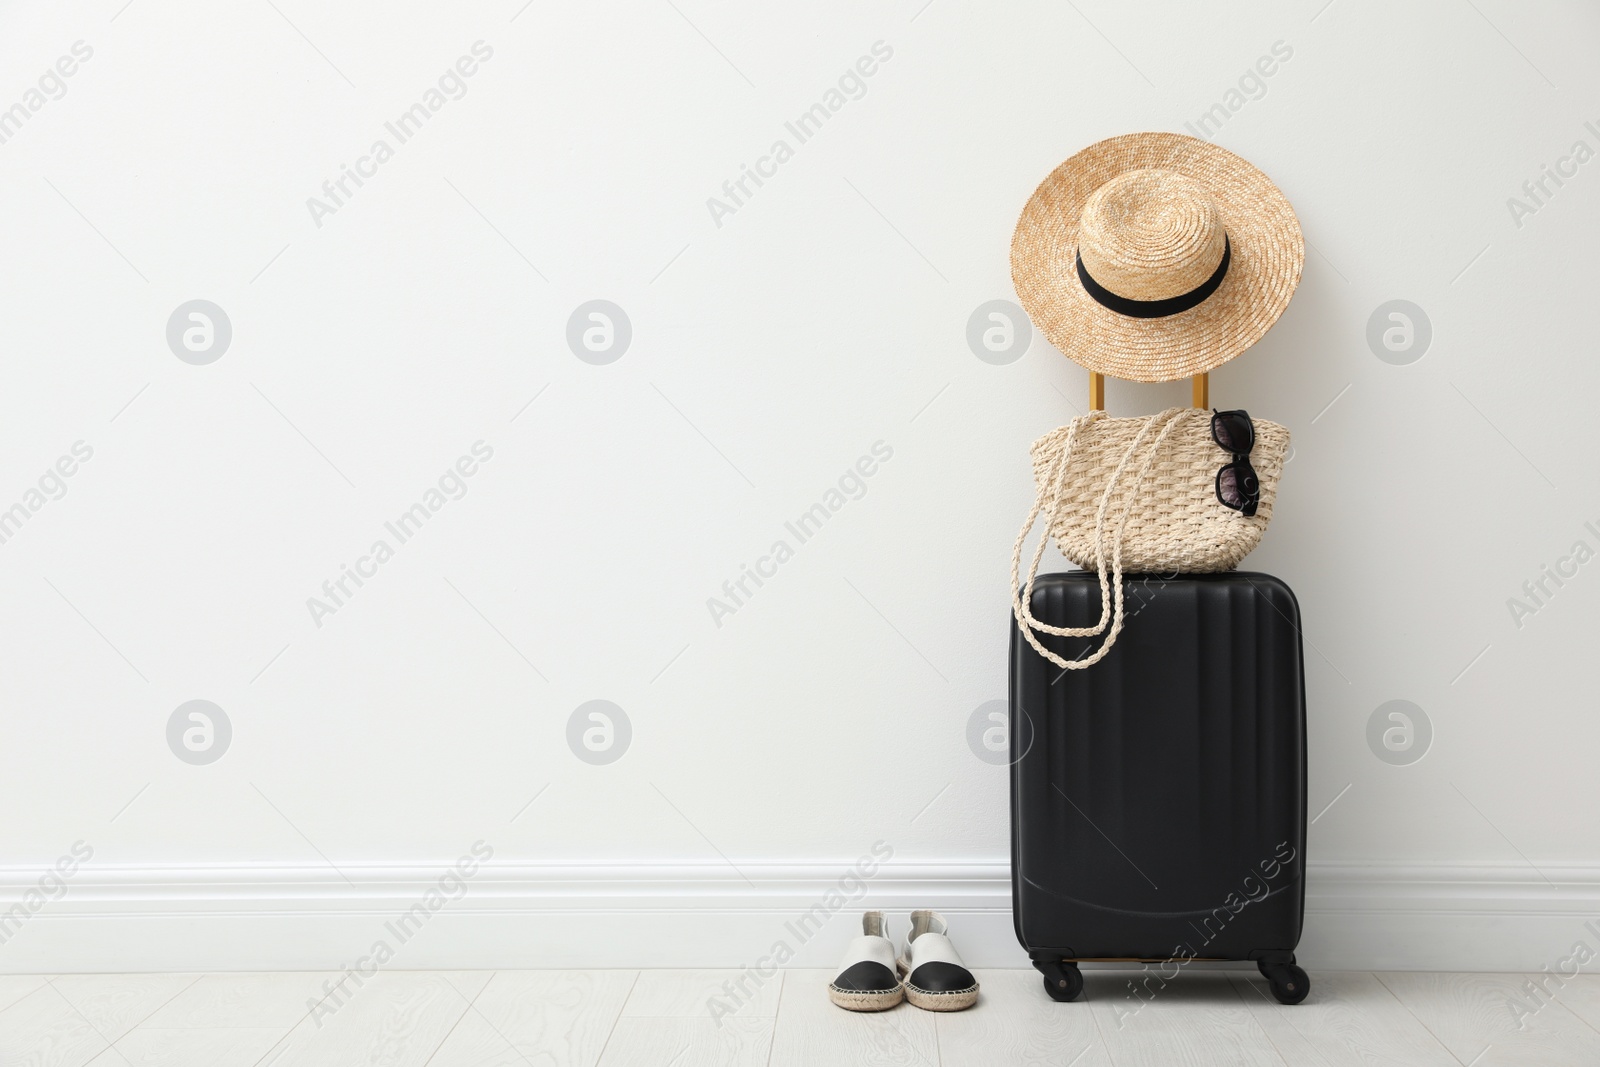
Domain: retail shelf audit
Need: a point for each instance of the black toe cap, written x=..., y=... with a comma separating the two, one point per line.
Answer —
x=866, y=977
x=942, y=978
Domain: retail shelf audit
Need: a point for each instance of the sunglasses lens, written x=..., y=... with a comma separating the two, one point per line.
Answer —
x=1239, y=488
x=1228, y=488
x=1233, y=431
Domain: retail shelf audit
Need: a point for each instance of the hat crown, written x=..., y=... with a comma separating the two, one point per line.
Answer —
x=1150, y=234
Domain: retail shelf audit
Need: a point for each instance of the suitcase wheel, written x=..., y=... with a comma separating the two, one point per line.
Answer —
x=1289, y=983
x=1063, y=981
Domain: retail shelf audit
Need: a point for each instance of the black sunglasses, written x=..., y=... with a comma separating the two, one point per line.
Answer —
x=1237, y=485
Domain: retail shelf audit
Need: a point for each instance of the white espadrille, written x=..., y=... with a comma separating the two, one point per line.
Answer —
x=867, y=980
x=934, y=977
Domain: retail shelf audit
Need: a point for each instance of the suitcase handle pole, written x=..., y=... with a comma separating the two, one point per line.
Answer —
x=1200, y=390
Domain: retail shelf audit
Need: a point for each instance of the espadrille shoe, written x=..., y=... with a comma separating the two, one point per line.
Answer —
x=933, y=974
x=867, y=980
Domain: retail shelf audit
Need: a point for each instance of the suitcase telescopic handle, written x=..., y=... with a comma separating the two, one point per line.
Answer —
x=1200, y=386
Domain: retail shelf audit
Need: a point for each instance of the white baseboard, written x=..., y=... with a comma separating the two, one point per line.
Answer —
x=1447, y=917
x=271, y=917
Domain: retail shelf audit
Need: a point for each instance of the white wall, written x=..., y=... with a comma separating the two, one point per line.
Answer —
x=768, y=353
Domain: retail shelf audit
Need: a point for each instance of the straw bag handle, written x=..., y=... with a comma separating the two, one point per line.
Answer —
x=1110, y=584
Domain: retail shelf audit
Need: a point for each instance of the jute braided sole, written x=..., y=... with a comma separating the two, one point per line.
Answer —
x=858, y=1000
x=952, y=1000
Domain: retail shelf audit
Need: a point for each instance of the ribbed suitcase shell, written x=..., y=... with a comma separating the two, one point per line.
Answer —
x=1158, y=798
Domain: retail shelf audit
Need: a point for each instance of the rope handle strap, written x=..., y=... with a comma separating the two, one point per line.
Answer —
x=1047, y=500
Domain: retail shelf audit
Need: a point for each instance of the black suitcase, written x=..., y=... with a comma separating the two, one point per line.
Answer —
x=1158, y=798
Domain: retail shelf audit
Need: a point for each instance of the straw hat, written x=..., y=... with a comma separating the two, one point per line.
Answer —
x=1155, y=256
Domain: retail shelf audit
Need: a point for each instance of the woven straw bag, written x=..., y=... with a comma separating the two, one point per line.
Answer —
x=1137, y=495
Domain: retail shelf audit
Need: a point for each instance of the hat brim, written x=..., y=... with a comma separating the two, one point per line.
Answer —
x=1267, y=258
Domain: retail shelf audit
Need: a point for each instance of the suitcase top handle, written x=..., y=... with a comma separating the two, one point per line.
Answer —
x=1201, y=389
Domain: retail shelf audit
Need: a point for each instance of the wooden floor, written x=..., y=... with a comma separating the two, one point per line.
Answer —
x=523, y=1018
